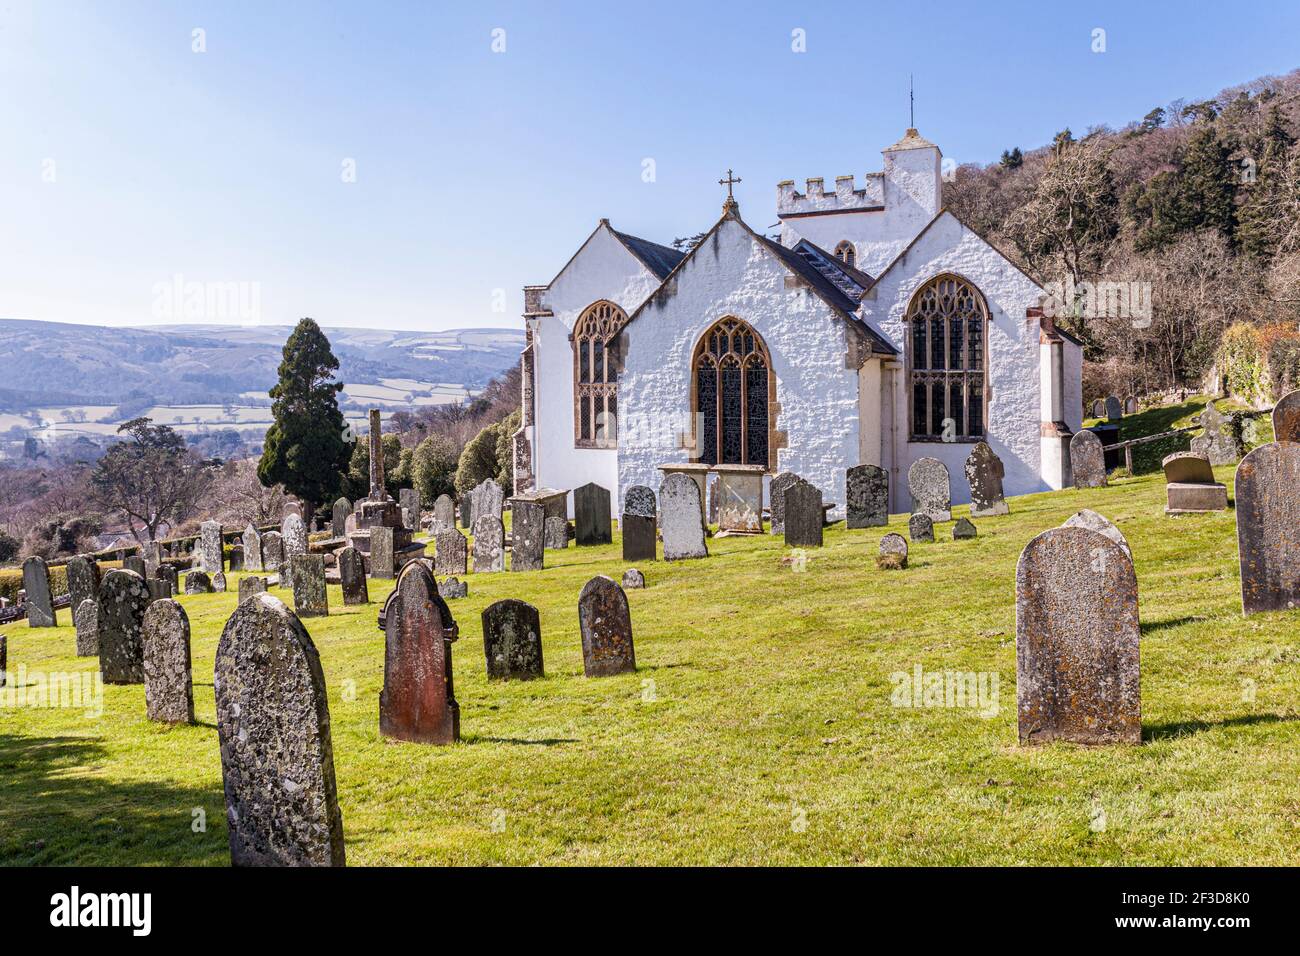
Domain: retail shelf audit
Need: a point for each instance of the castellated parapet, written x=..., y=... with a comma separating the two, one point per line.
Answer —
x=845, y=197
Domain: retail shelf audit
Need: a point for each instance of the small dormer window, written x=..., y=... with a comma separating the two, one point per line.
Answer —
x=844, y=252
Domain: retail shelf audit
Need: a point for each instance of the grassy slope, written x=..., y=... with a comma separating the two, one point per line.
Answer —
x=762, y=699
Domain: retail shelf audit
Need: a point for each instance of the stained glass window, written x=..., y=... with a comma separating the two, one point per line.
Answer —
x=732, y=385
x=948, y=320
x=595, y=372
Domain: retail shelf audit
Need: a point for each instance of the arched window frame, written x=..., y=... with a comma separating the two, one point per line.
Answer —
x=962, y=376
x=847, y=254
x=732, y=343
x=596, y=362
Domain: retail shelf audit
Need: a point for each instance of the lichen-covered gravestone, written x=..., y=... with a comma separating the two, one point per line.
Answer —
x=964, y=529
x=219, y=583
x=86, y=620
x=83, y=580
x=512, y=640
x=418, y=702
x=252, y=550
x=638, y=524
x=1087, y=460
x=453, y=588
x=352, y=575
x=211, y=557
x=339, y=518
x=250, y=586
x=683, y=525
x=486, y=498
x=1219, y=441
x=591, y=515
x=310, y=597
x=867, y=496
x=776, y=506
x=135, y=562
x=123, y=601
x=1286, y=417
x=168, y=686
x=984, y=474
x=451, y=553
x=527, y=530
x=293, y=535
x=159, y=590
x=927, y=480
x=40, y=601
x=444, y=514
x=920, y=528
x=383, y=557
x=197, y=582
x=804, y=517
x=1268, y=514
x=277, y=759
x=633, y=580
x=409, y=499
x=272, y=551
x=1096, y=522
x=489, y=544
x=556, y=533
x=893, y=552
x=1077, y=640
x=606, y=626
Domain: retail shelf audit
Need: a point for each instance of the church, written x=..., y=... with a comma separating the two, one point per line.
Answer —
x=879, y=329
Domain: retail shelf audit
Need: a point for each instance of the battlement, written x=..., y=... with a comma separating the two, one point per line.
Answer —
x=816, y=200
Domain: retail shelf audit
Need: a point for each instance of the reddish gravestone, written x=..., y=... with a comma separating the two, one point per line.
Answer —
x=606, y=626
x=418, y=702
x=1268, y=514
x=1286, y=418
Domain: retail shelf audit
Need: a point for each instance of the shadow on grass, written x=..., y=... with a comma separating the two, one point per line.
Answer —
x=519, y=741
x=50, y=815
x=1150, y=627
x=1182, y=728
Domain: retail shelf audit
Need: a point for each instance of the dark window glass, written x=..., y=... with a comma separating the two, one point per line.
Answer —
x=706, y=385
x=731, y=415
x=756, y=414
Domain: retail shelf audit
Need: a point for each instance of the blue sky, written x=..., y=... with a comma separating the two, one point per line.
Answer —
x=478, y=172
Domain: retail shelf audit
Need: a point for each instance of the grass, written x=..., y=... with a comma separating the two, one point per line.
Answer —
x=758, y=728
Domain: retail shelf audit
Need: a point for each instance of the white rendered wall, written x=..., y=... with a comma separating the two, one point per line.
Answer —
x=870, y=414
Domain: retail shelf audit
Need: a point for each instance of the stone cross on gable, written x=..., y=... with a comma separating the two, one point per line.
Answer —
x=729, y=182
x=377, y=491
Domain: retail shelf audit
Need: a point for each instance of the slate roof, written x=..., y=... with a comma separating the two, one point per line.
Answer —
x=854, y=282
x=658, y=259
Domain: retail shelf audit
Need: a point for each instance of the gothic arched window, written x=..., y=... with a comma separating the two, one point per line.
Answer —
x=595, y=376
x=947, y=326
x=846, y=254
x=731, y=375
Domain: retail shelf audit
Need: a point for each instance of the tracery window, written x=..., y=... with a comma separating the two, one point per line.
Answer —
x=731, y=372
x=595, y=376
x=947, y=327
x=846, y=254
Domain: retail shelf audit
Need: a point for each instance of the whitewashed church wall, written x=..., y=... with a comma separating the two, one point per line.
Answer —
x=869, y=414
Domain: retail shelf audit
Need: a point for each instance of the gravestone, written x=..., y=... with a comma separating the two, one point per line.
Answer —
x=123, y=601
x=683, y=522
x=591, y=515
x=197, y=582
x=927, y=480
x=776, y=492
x=1190, y=487
x=556, y=533
x=135, y=563
x=489, y=544
x=409, y=499
x=159, y=590
x=486, y=498
x=867, y=496
x=1268, y=514
x=640, y=500
x=40, y=601
x=451, y=553
x=738, y=497
x=83, y=580
x=1077, y=638
x=272, y=551
x=638, y=524
x=1219, y=441
x=277, y=759
x=633, y=580
x=964, y=529
x=606, y=624
x=1087, y=460
x=1098, y=408
x=167, y=572
x=86, y=619
x=168, y=686
x=920, y=528
x=293, y=535
x=249, y=586
x=1286, y=417
x=418, y=702
x=804, y=517
x=339, y=518
x=1095, y=522
x=444, y=514
x=527, y=527
x=453, y=588
x=352, y=575
x=512, y=640
x=984, y=474
x=1131, y=405
x=210, y=555
x=219, y=583
x=1114, y=411
x=310, y=597
x=253, y=550
x=383, y=560
x=893, y=552
x=236, y=558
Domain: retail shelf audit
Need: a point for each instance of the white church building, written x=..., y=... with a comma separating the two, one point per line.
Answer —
x=879, y=329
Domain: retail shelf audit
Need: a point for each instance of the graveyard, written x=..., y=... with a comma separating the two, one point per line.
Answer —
x=780, y=711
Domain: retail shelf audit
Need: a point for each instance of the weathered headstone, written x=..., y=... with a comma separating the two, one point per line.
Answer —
x=236, y=558
x=409, y=499
x=1131, y=405
x=804, y=517
x=964, y=529
x=159, y=590
x=1286, y=417
x=639, y=533
x=451, y=553
x=591, y=519
x=984, y=474
x=167, y=572
x=123, y=601
x=556, y=533
x=606, y=624
x=444, y=514
x=453, y=588
x=168, y=686
x=293, y=535
x=86, y=619
x=211, y=557
x=40, y=600
x=489, y=544
x=683, y=524
x=339, y=517
x=253, y=550
x=310, y=597
x=920, y=528
x=418, y=702
x=83, y=580
x=486, y=498
x=867, y=494
x=927, y=480
x=633, y=580
x=640, y=500
x=893, y=552
x=1077, y=638
x=219, y=583
x=272, y=551
x=277, y=759
x=1087, y=460
x=1096, y=522
x=352, y=575
x=1114, y=411
x=1219, y=441
x=1190, y=487
x=776, y=492
x=383, y=560
x=1268, y=514
x=527, y=530
x=197, y=582
x=135, y=563
x=738, y=495
x=512, y=640
x=249, y=586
